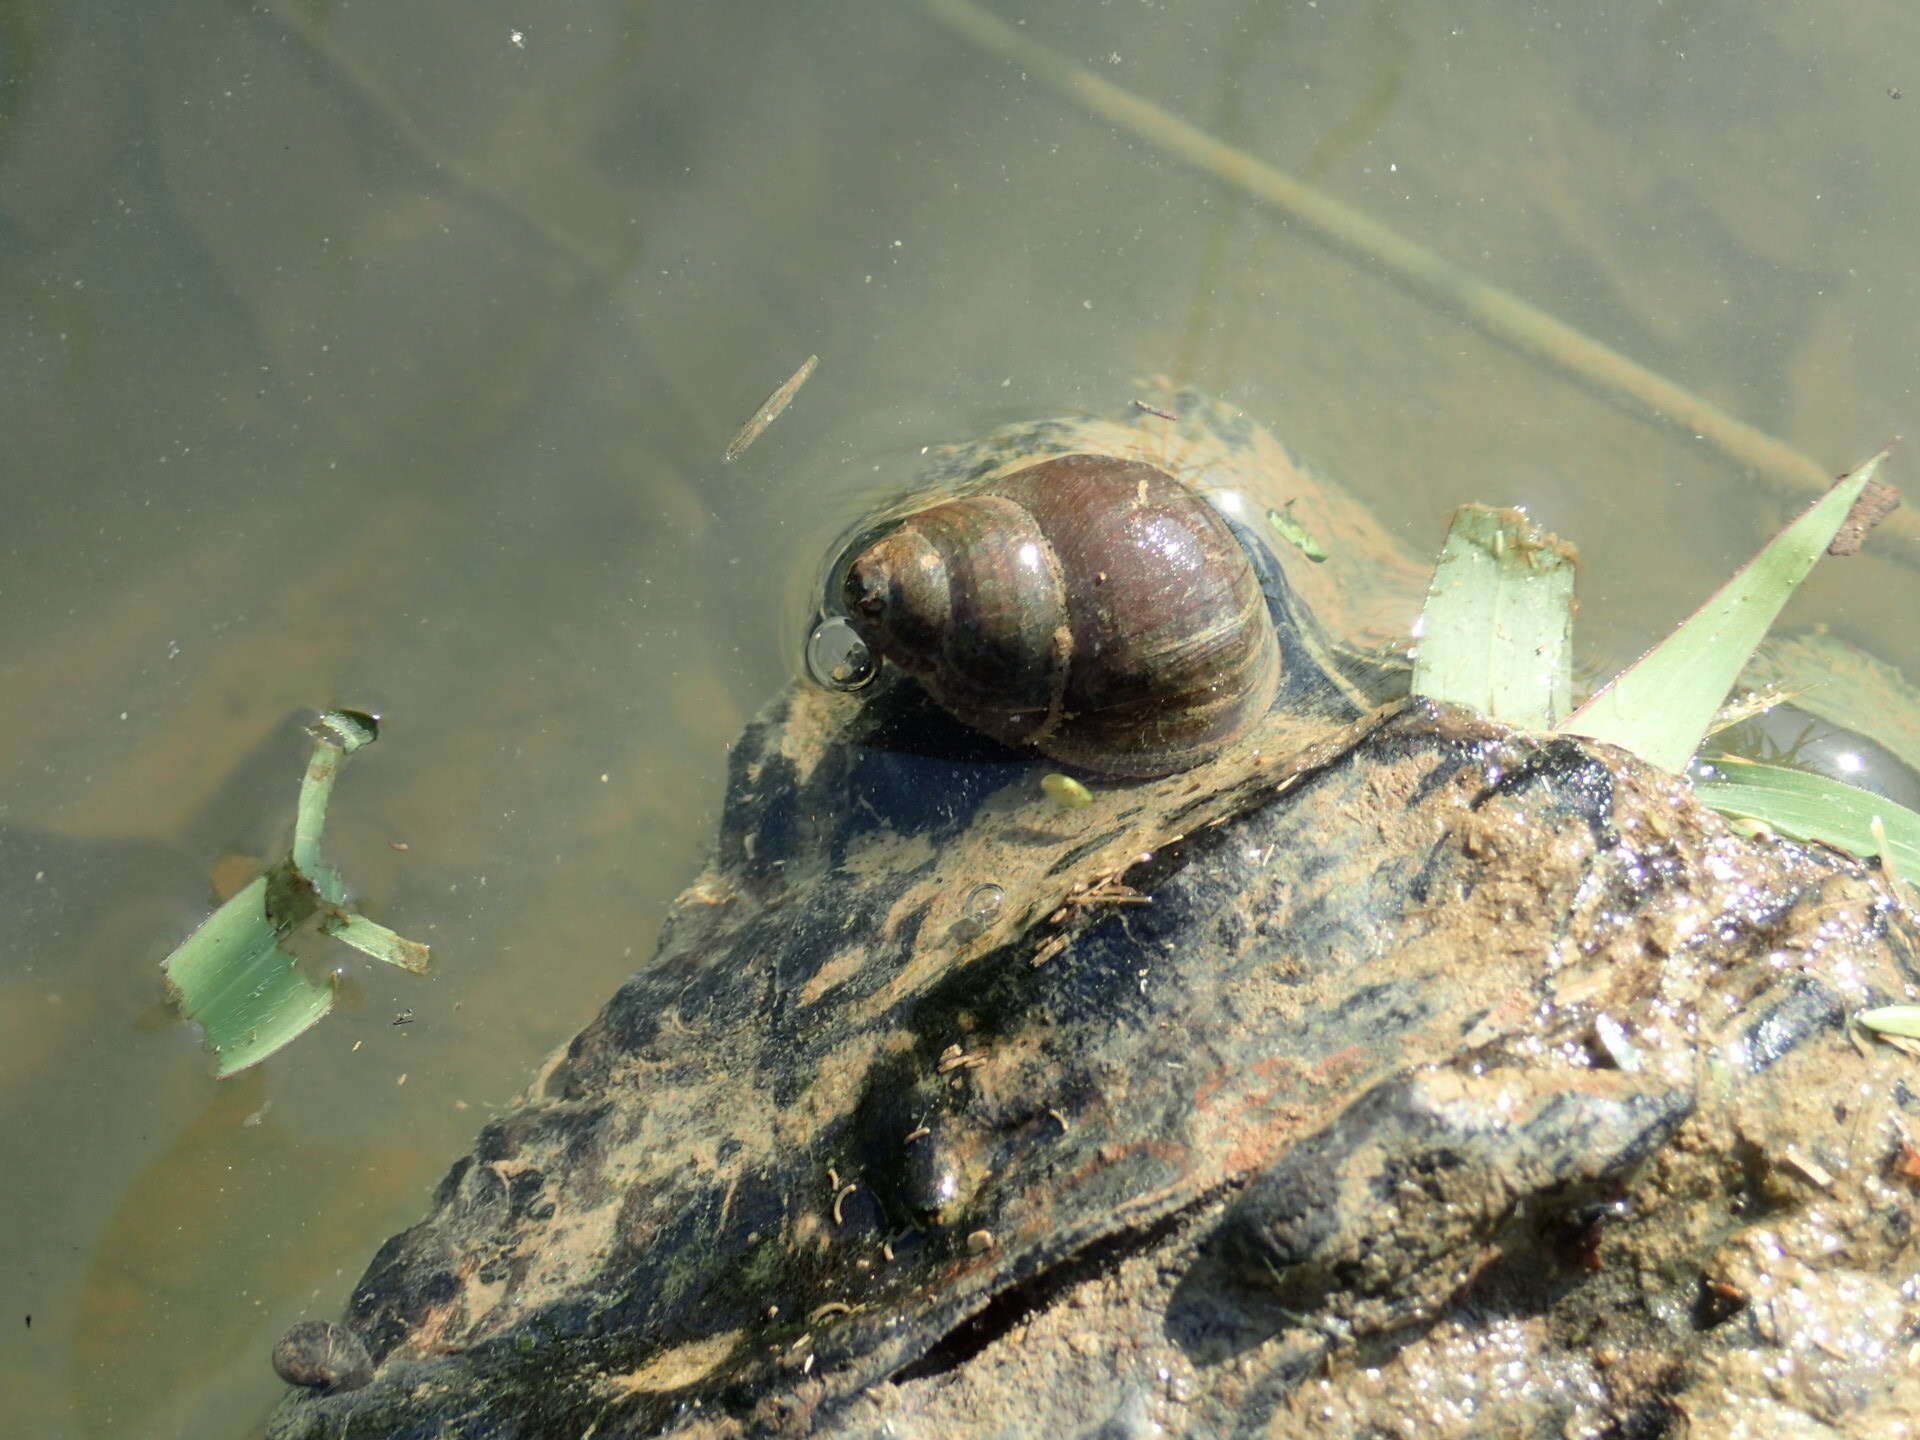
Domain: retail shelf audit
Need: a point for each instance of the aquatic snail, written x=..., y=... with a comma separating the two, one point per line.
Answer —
x=1092, y=608
x=320, y=1355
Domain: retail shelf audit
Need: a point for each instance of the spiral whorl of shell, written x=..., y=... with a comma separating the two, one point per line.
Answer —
x=1093, y=608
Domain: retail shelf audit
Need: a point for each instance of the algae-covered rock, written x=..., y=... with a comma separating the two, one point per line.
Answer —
x=1390, y=1073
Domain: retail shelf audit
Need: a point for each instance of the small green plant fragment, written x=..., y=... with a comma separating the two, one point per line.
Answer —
x=1296, y=534
x=1065, y=791
x=1661, y=706
x=236, y=976
x=1813, y=807
x=1496, y=632
x=249, y=996
x=1901, y=1020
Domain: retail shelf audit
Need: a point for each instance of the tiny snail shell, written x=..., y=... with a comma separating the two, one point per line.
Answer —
x=1092, y=608
x=319, y=1355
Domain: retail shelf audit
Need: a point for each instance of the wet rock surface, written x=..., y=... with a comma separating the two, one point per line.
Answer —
x=1391, y=1073
x=1454, y=1082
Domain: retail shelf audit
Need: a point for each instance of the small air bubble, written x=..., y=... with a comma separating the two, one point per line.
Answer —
x=838, y=658
x=983, y=902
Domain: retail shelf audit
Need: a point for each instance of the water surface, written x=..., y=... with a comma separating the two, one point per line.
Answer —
x=385, y=356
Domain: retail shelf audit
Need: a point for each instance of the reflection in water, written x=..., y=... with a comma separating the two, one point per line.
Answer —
x=1787, y=735
x=202, y=1236
x=377, y=355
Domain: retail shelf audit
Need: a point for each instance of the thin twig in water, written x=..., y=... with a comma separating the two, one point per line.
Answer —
x=1427, y=276
x=770, y=409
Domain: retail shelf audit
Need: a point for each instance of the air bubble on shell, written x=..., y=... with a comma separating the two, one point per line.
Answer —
x=838, y=658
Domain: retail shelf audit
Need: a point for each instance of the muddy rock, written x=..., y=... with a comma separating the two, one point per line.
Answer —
x=1487, y=1062
x=1393, y=1073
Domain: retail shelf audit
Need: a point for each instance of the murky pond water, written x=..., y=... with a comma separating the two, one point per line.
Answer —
x=386, y=356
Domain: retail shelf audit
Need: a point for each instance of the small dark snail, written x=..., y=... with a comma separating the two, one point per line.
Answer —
x=319, y=1355
x=1092, y=608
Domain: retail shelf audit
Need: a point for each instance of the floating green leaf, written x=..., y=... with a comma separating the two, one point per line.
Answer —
x=1661, y=706
x=236, y=975
x=1813, y=807
x=1496, y=632
x=249, y=996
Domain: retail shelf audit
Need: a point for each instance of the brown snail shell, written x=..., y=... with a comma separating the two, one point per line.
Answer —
x=1089, y=607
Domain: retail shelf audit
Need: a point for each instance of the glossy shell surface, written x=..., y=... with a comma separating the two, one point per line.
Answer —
x=1090, y=606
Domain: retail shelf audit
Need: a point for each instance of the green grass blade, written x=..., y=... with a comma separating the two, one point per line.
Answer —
x=370, y=937
x=1903, y=1020
x=336, y=735
x=248, y=996
x=1496, y=632
x=1661, y=706
x=1813, y=807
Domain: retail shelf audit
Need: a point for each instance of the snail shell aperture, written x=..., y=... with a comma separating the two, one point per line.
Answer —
x=1089, y=607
